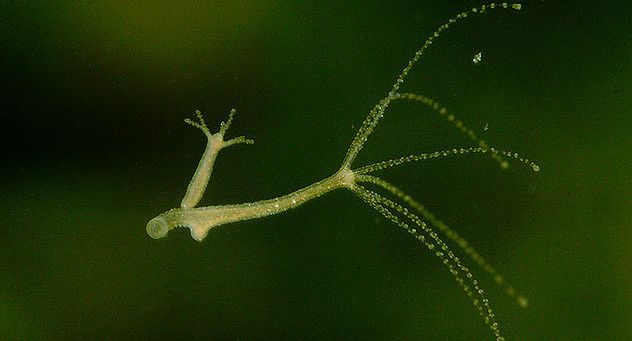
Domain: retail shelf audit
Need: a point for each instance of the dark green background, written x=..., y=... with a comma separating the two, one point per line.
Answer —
x=92, y=102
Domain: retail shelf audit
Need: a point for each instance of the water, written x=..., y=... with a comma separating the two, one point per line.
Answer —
x=95, y=146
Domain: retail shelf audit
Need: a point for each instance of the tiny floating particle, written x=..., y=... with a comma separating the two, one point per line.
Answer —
x=477, y=58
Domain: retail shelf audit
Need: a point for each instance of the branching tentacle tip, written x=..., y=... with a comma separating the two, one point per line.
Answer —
x=231, y=114
x=200, y=117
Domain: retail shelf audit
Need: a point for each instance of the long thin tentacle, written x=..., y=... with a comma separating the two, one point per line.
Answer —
x=390, y=210
x=451, y=234
x=456, y=122
x=443, y=153
x=377, y=112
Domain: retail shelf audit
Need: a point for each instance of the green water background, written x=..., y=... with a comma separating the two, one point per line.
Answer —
x=93, y=98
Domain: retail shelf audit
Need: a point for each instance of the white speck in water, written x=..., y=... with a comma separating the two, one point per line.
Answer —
x=477, y=58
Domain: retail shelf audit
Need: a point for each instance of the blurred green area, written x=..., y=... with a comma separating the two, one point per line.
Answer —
x=93, y=98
